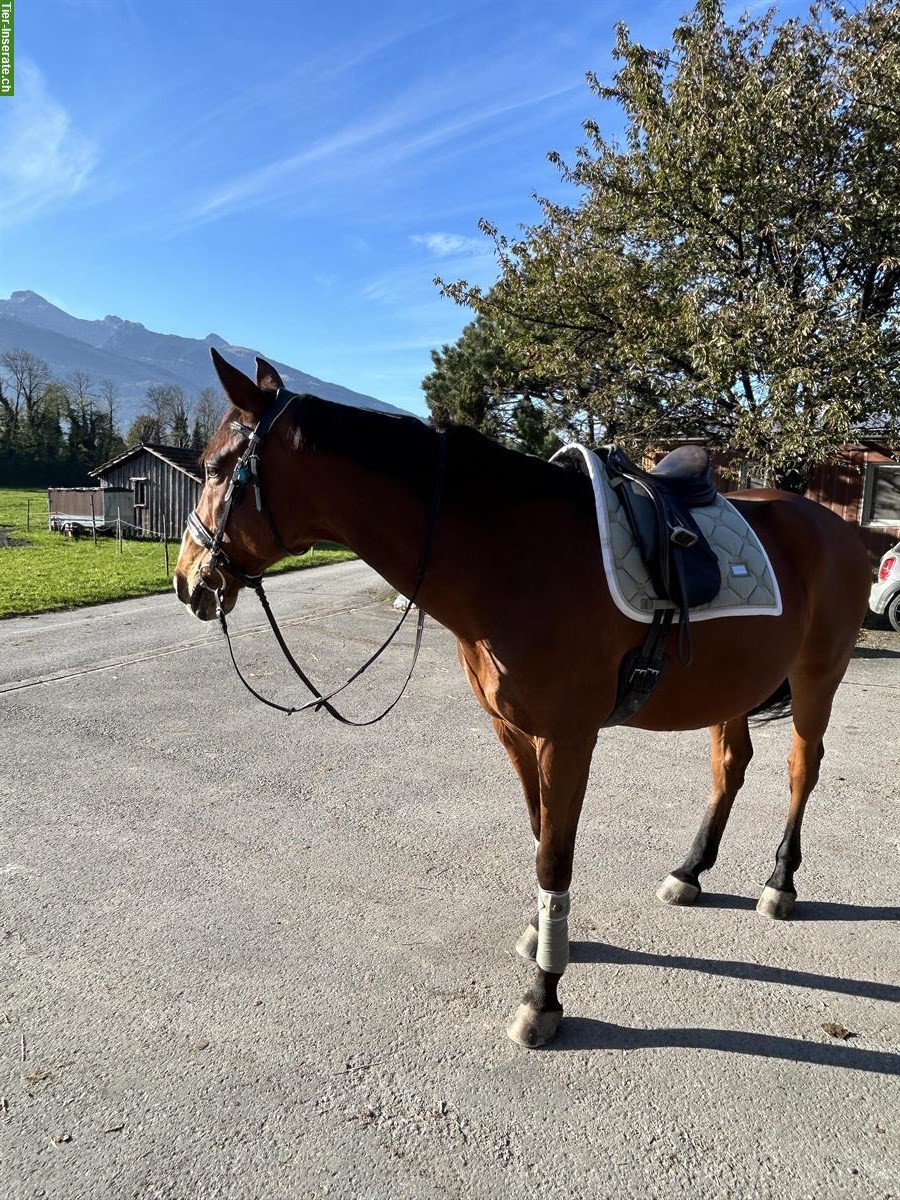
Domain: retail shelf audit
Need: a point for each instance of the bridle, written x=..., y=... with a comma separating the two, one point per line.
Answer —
x=247, y=473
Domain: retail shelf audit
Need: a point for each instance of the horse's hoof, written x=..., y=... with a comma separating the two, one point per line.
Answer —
x=530, y=1028
x=675, y=891
x=776, y=904
x=527, y=944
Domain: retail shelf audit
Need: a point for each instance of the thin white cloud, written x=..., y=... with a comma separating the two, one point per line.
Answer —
x=256, y=187
x=324, y=68
x=45, y=161
x=449, y=245
x=409, y=294
x=408, y=129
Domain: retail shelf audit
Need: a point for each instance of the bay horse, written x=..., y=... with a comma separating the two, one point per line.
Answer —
x=515, y=573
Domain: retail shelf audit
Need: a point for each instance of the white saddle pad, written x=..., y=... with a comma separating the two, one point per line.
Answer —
x=749, y=587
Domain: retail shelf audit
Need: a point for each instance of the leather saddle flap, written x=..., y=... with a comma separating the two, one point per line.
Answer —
x=687, y=575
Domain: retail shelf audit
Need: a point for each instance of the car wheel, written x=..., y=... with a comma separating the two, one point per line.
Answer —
x=892, y=612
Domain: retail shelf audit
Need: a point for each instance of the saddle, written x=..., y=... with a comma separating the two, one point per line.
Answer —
x=658, y=506
x=682, y=565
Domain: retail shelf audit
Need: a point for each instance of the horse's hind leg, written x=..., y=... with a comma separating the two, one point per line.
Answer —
x=563, y=767
x=731, y=751
x=812, y=700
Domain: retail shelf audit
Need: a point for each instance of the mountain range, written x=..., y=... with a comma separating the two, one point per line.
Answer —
x=135, y=357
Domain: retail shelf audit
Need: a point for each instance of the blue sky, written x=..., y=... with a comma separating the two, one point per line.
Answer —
x=291, y=175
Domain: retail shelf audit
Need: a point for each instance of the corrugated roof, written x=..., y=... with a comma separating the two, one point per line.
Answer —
x=181, y=457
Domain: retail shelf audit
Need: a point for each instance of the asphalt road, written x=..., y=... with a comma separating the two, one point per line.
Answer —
x=248, y=956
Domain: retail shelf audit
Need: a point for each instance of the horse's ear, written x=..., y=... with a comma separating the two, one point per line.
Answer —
x=241, y=391
x=267, y=376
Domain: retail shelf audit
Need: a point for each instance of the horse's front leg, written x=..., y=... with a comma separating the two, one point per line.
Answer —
x=523, y=756
x=562, y=770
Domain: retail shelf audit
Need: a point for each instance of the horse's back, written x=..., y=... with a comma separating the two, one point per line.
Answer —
x=818, y=557
x=806, y=527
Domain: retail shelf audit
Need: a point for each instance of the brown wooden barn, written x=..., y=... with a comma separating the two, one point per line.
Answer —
x=165, y=483
x=863, y=487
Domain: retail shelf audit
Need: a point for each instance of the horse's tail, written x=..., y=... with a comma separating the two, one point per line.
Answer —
x=778, y=705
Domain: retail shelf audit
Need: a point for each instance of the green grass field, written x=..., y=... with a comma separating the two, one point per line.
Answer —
x=41, y=571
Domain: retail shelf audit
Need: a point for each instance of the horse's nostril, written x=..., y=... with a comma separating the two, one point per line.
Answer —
x=203, y=603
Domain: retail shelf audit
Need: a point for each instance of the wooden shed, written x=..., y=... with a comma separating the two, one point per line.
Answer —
x=165, y=483
x=863, y=487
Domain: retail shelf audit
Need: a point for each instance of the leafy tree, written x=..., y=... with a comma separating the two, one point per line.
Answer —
x=52, y=431
x=109, y=398
x=476, y=382
x=180, y=433
x=144, y=428
x=732, y=269
x=41, y=438
x=30, y=403
x=79, y=401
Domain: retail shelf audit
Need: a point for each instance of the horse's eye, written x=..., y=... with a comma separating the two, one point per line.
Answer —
x=212, y=473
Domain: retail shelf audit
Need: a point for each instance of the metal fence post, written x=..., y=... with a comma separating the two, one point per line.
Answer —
x=93, y=521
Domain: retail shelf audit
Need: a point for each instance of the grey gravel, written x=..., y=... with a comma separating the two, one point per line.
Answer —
x=247, y=956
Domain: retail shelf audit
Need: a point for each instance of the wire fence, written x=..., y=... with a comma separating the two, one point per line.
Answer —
x=29, y=516
x=24, y=515
x=20, y=518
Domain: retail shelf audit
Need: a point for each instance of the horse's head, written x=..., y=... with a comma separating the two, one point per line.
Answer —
x=229, y=541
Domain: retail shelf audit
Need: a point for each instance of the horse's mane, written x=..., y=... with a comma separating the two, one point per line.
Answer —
x=407, y=448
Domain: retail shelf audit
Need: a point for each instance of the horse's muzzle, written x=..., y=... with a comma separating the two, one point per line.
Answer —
x=203, y=603
x=199, y=599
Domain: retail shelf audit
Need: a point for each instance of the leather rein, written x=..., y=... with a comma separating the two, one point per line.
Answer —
x=247, y=472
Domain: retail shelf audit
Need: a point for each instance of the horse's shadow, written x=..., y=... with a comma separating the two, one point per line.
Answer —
x=876, y=652
x=585, y=1033
x=579, y=1033
x=608, y=955
x=809, y=910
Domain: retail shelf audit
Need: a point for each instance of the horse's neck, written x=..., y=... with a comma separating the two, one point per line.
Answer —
x=384, y=520
x=483, y=555
x=384, y=516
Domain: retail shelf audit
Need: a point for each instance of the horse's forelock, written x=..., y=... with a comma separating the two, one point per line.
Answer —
x=221, y=441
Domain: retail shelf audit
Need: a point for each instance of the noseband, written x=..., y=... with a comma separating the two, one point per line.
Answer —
x=247, y=473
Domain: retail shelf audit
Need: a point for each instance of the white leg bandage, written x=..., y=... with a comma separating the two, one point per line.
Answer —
x=553, y=931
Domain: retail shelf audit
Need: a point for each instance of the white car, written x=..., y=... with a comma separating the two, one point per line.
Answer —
x=884, y=598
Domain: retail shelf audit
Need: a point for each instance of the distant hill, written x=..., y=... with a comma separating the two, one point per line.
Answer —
x=136, y=357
